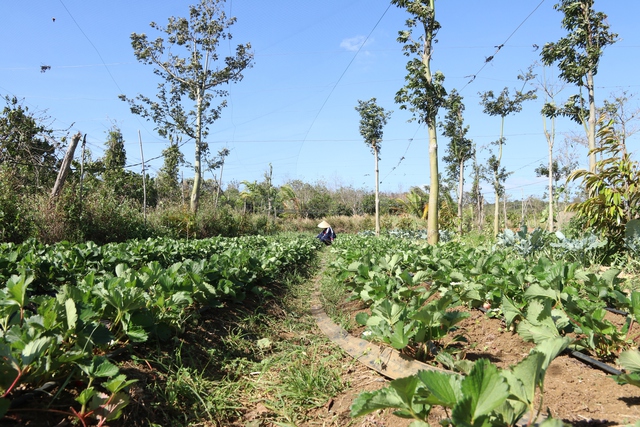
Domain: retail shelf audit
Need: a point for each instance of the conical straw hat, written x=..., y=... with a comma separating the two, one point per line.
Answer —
x=324, y=224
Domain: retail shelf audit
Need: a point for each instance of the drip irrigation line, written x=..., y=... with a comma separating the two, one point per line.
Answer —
x=593, y=362
x=616, y=311
x=588, y=360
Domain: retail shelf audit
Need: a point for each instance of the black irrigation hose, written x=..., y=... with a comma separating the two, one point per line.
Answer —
x=583, y=357
x=593, y=362
x=616, y=311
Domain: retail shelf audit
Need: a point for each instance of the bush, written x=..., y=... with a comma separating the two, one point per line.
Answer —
x=16, y=223
x=105, y=218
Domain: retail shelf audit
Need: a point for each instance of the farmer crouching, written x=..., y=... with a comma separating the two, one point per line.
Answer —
x=327, y=235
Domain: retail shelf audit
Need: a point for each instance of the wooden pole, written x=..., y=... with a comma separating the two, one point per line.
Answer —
x=66, y=166
x=84, y=145
x=144, y=182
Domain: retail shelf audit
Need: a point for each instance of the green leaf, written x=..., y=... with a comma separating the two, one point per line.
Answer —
x=609, y=276
x=399, y=394
x=105, y=369
x=535, y=333
x=361, y=318
x=551, y=349
x=523, y=377
x=118, y=383
x=137, y=334
x=632, y=379
x=421, y=276
x=510, y=311
x=35, y=349
x=99, y=366
x=537, y=291
x=485, y=388
x=72, y=314
x=630, y=360
x=551, y=422
x=635, y=304
x=399, y=338
x=85, y=395
x=445, y=388
x=121, y=270
x=511, y=411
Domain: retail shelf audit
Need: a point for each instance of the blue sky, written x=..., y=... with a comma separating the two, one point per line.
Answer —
x=295, y=109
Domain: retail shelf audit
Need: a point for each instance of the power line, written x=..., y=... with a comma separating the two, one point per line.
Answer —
x=340, y=78
x=91, y=43
x=499, y=47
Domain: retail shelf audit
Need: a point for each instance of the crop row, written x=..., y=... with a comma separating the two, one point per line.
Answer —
x=65, y=307
x=414, y=292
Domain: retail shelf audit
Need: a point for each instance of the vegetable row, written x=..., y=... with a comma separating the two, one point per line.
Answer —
x=64, y=307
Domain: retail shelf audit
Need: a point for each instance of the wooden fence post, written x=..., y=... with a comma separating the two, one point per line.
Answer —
x=66, y=166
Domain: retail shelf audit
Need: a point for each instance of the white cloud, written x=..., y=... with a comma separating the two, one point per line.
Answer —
x=354, y=43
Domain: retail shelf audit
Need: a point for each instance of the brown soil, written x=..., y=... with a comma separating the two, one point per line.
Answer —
x=574, y=392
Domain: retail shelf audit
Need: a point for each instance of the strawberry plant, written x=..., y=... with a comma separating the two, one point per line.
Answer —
x=487, y=396
x=79, y=301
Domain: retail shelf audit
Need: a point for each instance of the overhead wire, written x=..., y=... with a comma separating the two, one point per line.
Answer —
x=487, y=60
x=107, y=69
x=92, y=45
x=499, y=47
x=339, y=79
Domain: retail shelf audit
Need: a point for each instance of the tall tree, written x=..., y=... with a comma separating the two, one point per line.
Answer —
x=222, y=155
x=578, y=56
x=622, y=117
x=477, y=175
x=168, y=177
x=423, y=93
x=115, y=158
x=502, y=106
x=27, y=150
x=372, y=119
x=460, y=148
x=549, y=111
x=193, y=77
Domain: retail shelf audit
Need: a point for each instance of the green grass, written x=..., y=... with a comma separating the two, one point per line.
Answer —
x=268, y=356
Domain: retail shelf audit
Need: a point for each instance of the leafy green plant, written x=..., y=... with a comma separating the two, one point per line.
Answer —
x=523, y=243
x=487, y=396
x=613, y=198
x=587, y=250
x=630, y=361
x=632, y=236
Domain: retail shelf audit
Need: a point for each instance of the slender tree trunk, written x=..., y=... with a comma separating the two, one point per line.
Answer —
x=144, y=182
x=481, y=210
x=550, y=142
x=551, y=187
x=197, y=164
x=375, y=155
x=433, y=234
x=215, y=205
x=591, y=128
x=81, y=192
x=496, y=212
x=460, y=189
x=434, y=190
x=182, y=185
x=496, y=218
x=504, y=210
